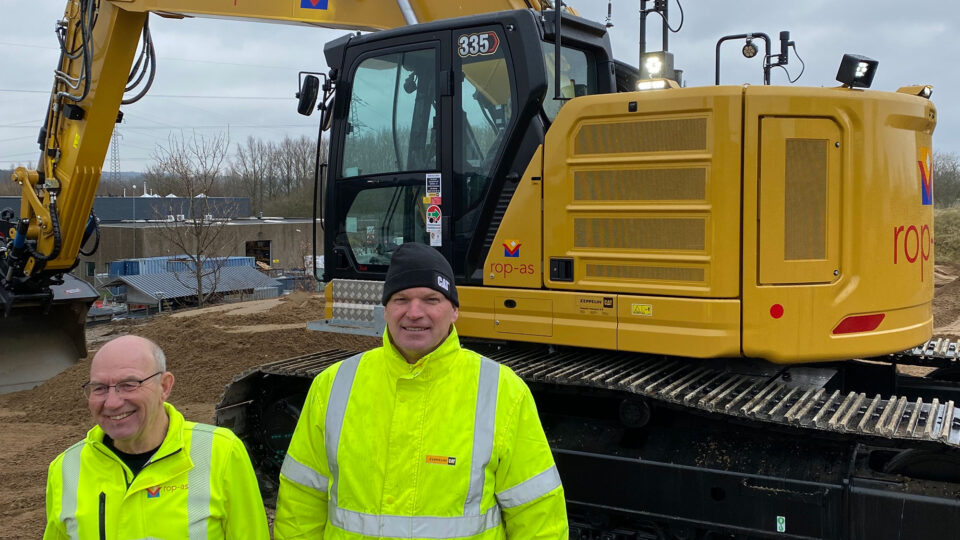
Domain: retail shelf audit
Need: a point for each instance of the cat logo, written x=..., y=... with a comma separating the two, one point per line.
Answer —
x=443, y=283
x=441, y=460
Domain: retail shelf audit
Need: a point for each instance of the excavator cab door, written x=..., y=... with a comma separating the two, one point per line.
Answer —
x=430, y=126
x=390, y=152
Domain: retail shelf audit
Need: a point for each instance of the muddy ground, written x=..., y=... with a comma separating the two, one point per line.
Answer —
x=205, y=350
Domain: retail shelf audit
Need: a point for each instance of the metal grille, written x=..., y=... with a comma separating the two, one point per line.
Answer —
x=687, y=184
x=646, y=273
x=681, y=234
x=805, y=200
x=673, y=135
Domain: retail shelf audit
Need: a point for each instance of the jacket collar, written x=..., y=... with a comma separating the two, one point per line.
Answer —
x=434, y=364
x=172, y=441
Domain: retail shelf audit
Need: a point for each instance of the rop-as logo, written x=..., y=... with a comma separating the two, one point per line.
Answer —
x=926, y=176
x=911, y=244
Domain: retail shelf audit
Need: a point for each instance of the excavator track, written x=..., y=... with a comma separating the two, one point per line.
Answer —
x=938, y=353
x=789, y=396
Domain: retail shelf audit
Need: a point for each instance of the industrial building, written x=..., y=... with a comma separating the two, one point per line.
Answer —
x=275, y=243
x=134, y=227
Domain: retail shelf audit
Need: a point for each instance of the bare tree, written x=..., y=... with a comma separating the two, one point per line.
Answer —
x=194, y=166
x=296, y=161
x=8, y=188
x=251, y=170
x=946, y=179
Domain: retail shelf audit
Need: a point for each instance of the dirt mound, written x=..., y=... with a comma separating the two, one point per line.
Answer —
x=205, y=350
x=946, y=310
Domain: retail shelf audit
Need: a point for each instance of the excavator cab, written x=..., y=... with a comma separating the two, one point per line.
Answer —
x=432, y=127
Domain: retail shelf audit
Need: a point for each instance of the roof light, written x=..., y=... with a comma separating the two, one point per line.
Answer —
x=653, y=84
x=922, y=90
x=857, y=71
x=749, y=49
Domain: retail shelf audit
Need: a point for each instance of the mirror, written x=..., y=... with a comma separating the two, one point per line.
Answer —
x=307, y=96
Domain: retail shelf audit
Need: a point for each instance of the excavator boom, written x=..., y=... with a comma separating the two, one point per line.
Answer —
x=95, y=74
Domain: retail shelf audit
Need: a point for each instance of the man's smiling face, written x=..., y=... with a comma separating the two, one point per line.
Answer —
x=136, y=420
x=418, y=320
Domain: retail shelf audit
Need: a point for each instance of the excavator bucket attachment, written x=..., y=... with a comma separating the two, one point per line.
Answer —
x=40, y=337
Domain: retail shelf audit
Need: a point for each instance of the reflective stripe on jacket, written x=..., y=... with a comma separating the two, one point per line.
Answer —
x=450, y=447
x=198, y=485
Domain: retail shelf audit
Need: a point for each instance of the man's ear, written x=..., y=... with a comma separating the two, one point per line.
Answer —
x=456, y=313
x=166, y=384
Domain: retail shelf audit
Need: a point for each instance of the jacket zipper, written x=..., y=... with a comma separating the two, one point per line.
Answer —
x=103, y=516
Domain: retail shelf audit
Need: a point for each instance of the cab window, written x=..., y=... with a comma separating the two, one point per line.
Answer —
x=486, y=109
x=382, y=219
x=391, y=123
x=577, y=77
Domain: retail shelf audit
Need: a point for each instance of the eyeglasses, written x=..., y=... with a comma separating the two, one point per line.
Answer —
x=91, y=389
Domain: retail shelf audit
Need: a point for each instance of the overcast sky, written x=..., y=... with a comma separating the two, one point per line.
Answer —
x=214, y=73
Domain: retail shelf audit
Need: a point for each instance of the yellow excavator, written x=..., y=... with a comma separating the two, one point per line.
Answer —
x=708, y=289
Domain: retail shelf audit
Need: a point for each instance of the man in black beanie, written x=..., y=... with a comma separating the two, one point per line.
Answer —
x=420, y=300
x=420, y=438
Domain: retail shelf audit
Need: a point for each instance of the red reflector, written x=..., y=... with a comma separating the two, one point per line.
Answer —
x=859, y=323
x=776, y=311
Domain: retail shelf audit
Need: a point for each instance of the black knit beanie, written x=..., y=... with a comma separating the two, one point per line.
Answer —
x=419, y=265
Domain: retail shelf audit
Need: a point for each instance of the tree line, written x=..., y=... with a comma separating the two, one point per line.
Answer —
x=277, y=176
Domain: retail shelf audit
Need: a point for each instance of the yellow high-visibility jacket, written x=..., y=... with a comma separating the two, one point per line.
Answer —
x=450, y=447
x=198, y=485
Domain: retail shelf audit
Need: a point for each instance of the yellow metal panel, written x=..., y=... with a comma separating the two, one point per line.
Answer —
x=800, y=179
x=515, y=258
x=516, y=314
x=646, y=201
x=885, y=229
x=347, y=14
x=578, y=319
x=695, y=327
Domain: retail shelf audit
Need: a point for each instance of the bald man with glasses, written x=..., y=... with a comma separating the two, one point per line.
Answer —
x=143, y=470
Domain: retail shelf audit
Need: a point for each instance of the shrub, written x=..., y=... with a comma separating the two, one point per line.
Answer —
x=946, y=229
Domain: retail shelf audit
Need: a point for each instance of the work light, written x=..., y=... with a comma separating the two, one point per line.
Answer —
x=656, y=65
x=857, y=71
